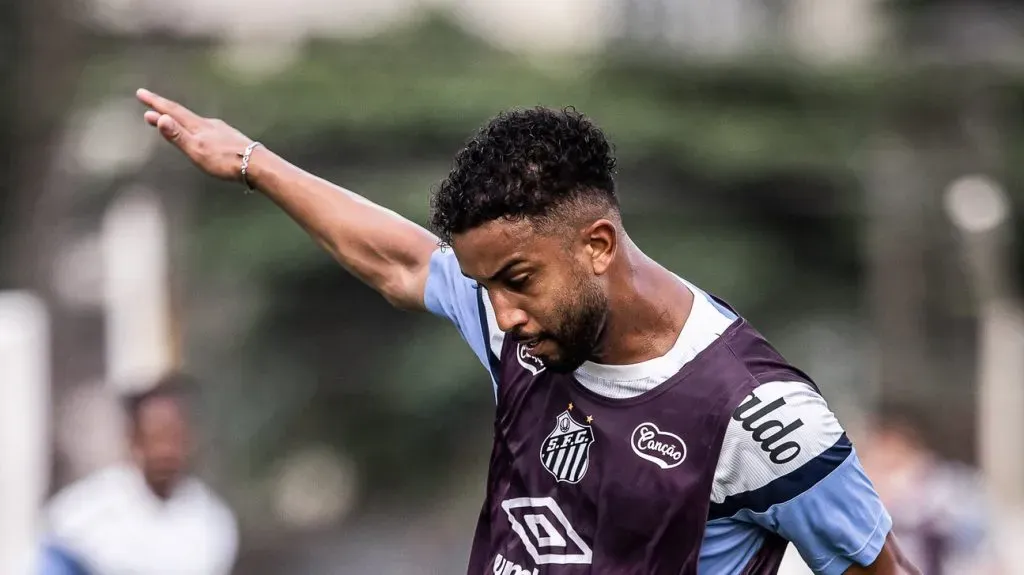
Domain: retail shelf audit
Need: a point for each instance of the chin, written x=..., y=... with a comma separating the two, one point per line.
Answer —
x=561, y=365
x=164, y=482
x=558, y=358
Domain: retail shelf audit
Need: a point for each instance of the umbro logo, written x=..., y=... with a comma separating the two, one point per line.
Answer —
x=545, y=533
x=505, y=566
x=768, y=433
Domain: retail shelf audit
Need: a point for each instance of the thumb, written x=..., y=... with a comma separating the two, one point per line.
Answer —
x=171, y=130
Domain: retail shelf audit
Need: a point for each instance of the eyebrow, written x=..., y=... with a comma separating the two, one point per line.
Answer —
x=504, y=269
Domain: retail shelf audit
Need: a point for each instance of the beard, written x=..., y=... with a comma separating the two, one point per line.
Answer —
x=581, y=322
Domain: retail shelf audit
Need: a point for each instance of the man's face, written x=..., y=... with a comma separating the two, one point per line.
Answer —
x=160, y=443
x=546, y=289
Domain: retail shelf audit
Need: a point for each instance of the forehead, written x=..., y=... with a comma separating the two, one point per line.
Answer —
x=486, y=249
x=161, y=411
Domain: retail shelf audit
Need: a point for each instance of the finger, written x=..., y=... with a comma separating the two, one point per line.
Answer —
x=185, y=117
x=151, y=117
x=172, y=131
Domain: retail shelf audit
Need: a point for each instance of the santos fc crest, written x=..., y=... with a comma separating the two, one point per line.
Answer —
x=565, y=452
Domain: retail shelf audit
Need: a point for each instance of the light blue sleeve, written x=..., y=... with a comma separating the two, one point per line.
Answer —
x=452, y=295
x=54, y=560
x=838, y=522
x=788, y=467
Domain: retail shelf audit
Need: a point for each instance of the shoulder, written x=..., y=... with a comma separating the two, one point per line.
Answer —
x=82, y=511
x=210, y=515
x=89, y=495
x=495, y=337
x=210, y=505
x=787, y=466
x=450, y=294
x=447, y=292
x=106, y=479
x=781, y=439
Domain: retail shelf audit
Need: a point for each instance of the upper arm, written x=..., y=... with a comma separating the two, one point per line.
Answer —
x=449, y=294
x=787, y=466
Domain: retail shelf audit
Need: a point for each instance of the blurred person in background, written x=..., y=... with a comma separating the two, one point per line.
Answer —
x=149, y=514
x=939, y=507
x=601, y=463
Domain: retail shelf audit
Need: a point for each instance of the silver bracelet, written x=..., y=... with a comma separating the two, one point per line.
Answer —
x=245, y=165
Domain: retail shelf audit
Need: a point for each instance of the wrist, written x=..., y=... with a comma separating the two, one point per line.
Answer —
x=260, y=169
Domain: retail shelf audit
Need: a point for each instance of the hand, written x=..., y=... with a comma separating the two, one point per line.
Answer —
x=212, y=145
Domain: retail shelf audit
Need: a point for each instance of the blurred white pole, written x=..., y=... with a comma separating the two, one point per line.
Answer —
x=981, y=211
x=139, y=345
x=896, y=237
x=24, y=426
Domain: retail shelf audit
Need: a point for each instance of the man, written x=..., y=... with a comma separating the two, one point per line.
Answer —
x=642, y=427
x=147, y=516
x=939, y=507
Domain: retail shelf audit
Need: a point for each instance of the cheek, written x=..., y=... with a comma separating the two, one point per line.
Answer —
x=553, y=306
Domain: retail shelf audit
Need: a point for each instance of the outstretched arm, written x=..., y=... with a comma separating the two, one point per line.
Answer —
x=386, y=251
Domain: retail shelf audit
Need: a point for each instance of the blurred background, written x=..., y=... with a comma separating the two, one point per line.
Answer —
x=844, y=172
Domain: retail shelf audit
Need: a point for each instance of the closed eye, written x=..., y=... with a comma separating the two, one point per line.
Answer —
x=518, y=282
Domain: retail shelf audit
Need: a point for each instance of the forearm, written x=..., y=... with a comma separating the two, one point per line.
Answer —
x=386, y=251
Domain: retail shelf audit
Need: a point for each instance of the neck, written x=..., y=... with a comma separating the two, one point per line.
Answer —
x=161, y=491
x=648, y=307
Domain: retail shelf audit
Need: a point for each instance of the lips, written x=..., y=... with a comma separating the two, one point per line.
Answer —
x=529, y=342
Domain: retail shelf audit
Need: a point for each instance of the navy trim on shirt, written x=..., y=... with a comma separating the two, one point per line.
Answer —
x=722, y=307
x=493, y=362
x=786, y=487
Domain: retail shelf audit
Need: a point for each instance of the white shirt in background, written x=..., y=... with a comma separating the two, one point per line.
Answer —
x=114, y=525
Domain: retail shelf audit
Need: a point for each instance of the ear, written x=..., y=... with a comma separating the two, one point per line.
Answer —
x=601, y=240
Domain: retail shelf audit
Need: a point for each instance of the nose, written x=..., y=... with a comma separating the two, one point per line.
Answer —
x=510, y=318
x=171, y=453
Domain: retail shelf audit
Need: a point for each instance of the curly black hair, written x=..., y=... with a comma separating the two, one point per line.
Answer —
x=525, y=164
